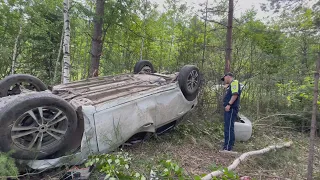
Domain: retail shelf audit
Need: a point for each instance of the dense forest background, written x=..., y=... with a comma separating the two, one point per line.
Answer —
x=274, y=58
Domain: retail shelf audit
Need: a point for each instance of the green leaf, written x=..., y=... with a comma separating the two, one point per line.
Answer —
x=109, y=161
x=117, y=161
x=107, y=176
x=176, y=168
x=137, y=175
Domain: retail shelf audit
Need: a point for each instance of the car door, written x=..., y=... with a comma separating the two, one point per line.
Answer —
x=171, y=105
x=116, y=124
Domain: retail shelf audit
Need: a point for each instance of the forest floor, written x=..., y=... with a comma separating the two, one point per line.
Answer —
x=195, y=143
x=195, y=146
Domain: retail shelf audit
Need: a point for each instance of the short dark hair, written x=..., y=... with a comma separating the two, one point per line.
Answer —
x=226, y=74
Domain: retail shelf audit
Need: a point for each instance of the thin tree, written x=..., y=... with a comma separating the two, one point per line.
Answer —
x=58, y=59
x=16, y=44
x=173, y=29
x=15, y=54
x=144, y=27
x=96, y=47
x=204, y=35
x=229, y=38
x=313, y=119
x=66, y=42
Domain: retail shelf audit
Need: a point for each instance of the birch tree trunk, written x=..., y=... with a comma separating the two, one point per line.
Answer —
x=58, y=58
x=14, y=56
x=96, y=48
x=313, y=119
x=243, y=157
x=66, y=42
x=229, y=38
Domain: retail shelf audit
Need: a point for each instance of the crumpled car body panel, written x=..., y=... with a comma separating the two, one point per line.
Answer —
x=109, y=124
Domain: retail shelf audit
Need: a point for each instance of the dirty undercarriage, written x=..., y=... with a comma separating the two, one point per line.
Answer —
x=96, y=115
x=95, y=91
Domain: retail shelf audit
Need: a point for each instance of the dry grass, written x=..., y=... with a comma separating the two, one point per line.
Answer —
x=195, y=145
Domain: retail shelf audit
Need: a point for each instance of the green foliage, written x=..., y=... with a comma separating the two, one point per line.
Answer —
x=227, y=174
x=7, y=166
x=298, y=95
x=118, y=166
x=114, y=166
x=206, y=127
x=167, y=169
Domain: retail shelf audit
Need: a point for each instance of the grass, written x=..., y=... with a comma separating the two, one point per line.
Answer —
x=7, y=166
x=195, y=143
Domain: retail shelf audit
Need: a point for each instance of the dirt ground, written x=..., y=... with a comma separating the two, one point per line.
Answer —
x=195, y=147
x=199, y=154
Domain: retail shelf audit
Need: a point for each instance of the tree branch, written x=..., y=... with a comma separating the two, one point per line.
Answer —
x=277, y=115
x=244, y=156
x=210, y=20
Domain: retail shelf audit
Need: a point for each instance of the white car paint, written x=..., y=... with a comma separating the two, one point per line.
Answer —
x=109, y=125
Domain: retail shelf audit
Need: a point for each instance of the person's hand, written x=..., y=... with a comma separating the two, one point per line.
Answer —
x=227, y=108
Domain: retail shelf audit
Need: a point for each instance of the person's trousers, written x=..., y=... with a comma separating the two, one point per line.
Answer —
x=229, y=138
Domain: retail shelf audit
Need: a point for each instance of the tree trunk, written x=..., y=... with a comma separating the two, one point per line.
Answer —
x=229, y=38
x=313, y=119
x=14, y=56
x=172, y=35
x=58, y=59
x=66, y=42
x=243, y=157
x=204, y=36
x=144, y=28
x=96, y=48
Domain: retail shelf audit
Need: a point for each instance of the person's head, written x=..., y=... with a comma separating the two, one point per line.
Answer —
x=227, y=78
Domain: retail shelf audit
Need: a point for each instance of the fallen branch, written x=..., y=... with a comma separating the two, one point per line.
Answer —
x=243, y=157
x=273, y=115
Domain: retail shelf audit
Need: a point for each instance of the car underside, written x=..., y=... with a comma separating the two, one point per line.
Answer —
x=49, y=128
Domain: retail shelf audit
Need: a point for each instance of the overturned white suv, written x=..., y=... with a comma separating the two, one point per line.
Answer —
x=49, y=128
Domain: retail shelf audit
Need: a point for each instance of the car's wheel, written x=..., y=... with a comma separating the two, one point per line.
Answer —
x=143, y=66
x=17, y=83
x=189, y=81
x=35, y=125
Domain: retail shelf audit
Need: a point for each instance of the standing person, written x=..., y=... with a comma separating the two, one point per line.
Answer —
x=231, y=103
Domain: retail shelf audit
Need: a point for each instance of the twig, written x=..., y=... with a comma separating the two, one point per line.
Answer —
x=277, y=115
x=243, y=157
x=22, y=175
x=262, y=170
x=265, y=175
x=283, y=127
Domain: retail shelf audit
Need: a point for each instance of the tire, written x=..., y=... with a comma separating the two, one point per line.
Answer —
x=11, y=80
x=140, y=65
x=189, y=74
x=18, y=130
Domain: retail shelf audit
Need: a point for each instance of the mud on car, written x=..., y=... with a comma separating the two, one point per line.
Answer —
x=64, y=125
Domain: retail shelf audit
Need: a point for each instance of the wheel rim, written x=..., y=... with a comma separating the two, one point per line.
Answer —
x=20, y=87
x=146, y=69
x=193, y=81
x=39, y=128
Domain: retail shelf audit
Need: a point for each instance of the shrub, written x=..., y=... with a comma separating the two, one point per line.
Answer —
x=118, y=166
